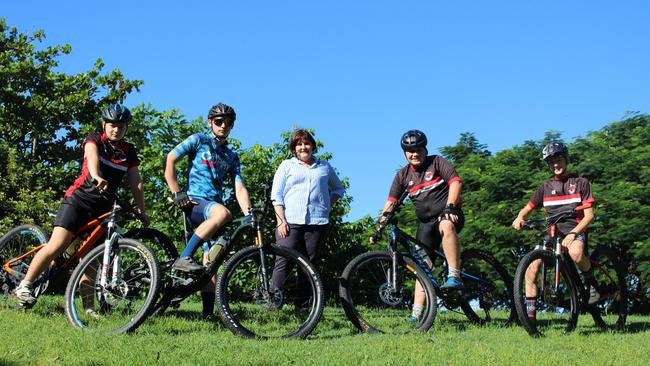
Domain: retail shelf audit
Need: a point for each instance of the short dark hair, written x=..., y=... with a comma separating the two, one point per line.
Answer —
x=301, y=135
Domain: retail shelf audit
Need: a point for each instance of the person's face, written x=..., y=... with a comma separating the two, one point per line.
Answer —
x=115, y=131
x=304, y=150
x=416, y=157
x=221, y=126
x=557, y=164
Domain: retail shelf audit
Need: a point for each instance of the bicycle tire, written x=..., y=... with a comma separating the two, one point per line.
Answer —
x=247, y=309
x=14, y=243
x=157, y=241
x=611, y=282
x=117, y=309
x=487, y=289
x=371, y=305
x=555, y=308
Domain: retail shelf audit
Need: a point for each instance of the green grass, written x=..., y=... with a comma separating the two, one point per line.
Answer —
x=42, y=336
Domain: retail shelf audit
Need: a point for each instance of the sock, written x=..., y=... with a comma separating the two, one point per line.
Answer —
x=208, y=303
x=194, y=242
x=454, y=272
x=531, y=307
x=417, y=311
x=25, y=283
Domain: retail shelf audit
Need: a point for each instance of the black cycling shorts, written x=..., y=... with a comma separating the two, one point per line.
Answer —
x=429, y=234
x=72, y=216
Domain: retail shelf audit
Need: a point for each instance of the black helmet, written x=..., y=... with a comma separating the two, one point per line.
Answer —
x=222, y=110
x=116, y=113
x=413, y=139
x=554, y=149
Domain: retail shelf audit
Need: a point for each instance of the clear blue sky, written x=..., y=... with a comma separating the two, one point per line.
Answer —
x=363, y=72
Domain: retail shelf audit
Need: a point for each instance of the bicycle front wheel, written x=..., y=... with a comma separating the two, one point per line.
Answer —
x=555, y=296
x=611, y=283
x=488, y=288
x=124, y=302
x=249, y=305
x=376, y=300
x=15, y=243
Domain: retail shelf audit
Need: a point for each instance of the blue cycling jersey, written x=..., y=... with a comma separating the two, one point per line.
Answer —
x=209, y=167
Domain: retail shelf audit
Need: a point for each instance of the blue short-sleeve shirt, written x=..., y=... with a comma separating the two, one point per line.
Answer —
x=210, y=166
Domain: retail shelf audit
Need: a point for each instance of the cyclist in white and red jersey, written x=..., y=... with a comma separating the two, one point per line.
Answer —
x=564, y=191
x=434, y=188
x=107, y=159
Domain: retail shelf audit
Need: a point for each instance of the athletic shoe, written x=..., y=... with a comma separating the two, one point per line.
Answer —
x=93, y=314
x=594, y=296
x=186, y=264
x=25, y=296
x=453, y=283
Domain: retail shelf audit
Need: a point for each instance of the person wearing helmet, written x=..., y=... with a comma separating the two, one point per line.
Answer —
x=562, y=192
x=434, y=187
x=211, y=164
x=107, y=159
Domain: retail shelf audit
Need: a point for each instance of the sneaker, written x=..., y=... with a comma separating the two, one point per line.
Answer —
x=186, y=264
x=411, y=319
x=276, y=298
x=92, y=314
x=594, y=296
x=25, y=296
x=453, y=283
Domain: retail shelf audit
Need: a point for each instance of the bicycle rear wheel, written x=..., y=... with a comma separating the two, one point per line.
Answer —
x=610, y=282
x=16, y=242
x=488, y=288
x=124, y=303
x=251, y=307
x=374, y=305
x=556, y=303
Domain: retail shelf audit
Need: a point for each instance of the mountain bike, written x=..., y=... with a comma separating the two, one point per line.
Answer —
x=561, y=293
x=114, y=284
x=19, y=245
x=377, y=288
x=248, y=305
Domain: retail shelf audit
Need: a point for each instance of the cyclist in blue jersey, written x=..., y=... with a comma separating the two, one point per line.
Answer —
x=211, y=164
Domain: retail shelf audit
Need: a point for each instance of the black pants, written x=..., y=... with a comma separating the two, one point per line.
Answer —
x=305, y=239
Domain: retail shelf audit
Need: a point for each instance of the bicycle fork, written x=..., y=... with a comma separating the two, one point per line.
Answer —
x=111, y=238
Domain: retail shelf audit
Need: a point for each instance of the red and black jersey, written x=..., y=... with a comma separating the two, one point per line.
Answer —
x=561, y=194
x=113, y=165
x=428, y=186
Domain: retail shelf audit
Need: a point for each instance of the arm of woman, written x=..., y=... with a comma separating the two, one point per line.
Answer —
x=335, y=185
x=91, y=153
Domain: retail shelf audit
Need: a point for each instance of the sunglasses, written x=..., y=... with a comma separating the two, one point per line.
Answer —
x=222, y=122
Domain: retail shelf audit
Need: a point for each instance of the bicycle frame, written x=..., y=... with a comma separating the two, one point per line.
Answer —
x=183, y=290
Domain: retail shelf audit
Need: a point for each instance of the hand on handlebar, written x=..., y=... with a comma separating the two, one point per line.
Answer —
x=374, y=238
x=181, y=200
x=518, y=224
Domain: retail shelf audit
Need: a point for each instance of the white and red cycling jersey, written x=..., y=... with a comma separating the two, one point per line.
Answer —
x=113, y=165
x=563, y=193
x=428, y=186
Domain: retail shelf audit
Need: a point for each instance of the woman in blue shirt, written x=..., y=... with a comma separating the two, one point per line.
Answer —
x=304, y=190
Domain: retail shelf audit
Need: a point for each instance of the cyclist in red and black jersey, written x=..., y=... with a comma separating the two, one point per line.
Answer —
x=107, y=159
x=434, y=188
x=562, y=192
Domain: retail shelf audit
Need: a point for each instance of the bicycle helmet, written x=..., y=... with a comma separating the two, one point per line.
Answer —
x=222, y=110
x=554, y=149
x=115, y=113
x=413, y=140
